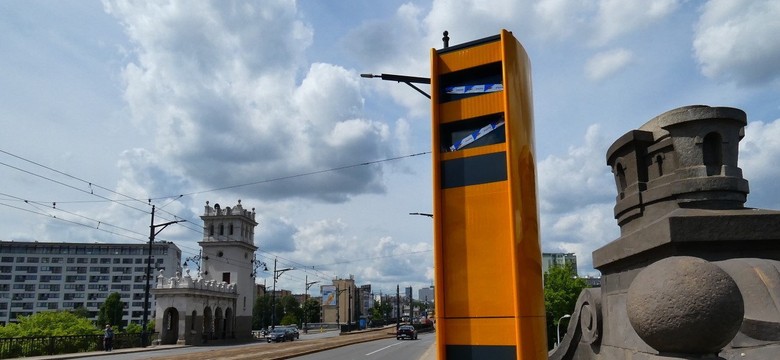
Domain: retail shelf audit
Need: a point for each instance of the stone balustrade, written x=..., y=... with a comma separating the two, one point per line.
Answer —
x=187, y=282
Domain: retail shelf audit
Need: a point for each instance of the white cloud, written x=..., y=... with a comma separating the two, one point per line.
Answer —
x=576, y=197
x=607, y=63
x=217, y=82
x=759, y=151
x=737, y=41
x=561, y=18
x=581, y=177
x=618, y=17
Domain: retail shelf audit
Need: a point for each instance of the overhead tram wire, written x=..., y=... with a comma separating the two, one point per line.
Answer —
x=72, y=222
x=176, y=197
x=288, y=177
x=89, y=183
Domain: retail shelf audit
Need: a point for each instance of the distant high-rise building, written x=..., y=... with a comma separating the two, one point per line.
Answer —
x=559, y=259
x=45, y=276
x=425, y=294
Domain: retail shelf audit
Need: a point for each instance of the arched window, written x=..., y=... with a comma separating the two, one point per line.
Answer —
x=221, y=229
x=712, y=151
x=620, y=174
x=211, y=230
x=230, y=229
x=192, y=322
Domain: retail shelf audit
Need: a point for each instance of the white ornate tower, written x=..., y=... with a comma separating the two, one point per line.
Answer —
x=228, y=252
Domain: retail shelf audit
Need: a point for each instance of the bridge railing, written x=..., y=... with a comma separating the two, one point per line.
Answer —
x=54, y=345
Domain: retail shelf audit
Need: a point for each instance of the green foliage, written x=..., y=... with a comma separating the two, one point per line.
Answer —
x=561, y=289
x=150, y=326
x=261, y=312
x=381, y=311
x=311, y=311
x=292, y=311
x=111, y=311
x=49, y=323
x=289, y=319
x=133, y=328
x=81, y=312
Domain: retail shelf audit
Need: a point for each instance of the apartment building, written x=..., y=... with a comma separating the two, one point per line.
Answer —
x=46, y=276
x=559, y=259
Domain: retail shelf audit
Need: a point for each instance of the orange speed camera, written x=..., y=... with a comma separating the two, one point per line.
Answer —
x=489, y=297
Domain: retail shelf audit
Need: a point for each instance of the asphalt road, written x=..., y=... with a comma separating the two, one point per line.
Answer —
x=384, y=349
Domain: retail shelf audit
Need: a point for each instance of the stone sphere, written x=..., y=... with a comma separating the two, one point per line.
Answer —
x=684, y=304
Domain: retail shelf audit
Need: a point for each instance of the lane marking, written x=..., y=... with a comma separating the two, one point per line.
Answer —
x=384, y=348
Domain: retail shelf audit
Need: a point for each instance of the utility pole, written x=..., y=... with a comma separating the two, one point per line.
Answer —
x=397, y=306
x=152, y=234
x=349, y=309
x=338, y=306
x=277, y=273
x=305, y=309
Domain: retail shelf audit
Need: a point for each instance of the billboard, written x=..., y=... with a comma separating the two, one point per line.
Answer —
x=328, y=295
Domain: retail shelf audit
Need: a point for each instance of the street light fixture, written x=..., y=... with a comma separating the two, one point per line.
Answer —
x=196, y=260
x=559, y=328
x=408, y=80
x=277, y=274
x=152, y=234
x=421, y=214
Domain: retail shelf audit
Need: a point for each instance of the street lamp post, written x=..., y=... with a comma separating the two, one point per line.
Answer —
x=559, y=328
x=338, y=307
x=277, y=273
x=305, y=309
x=152, y=234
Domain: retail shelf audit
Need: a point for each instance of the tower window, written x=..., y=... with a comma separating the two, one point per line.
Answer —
x=659, y=161
x=712, y=151
x=211, y=230
x=230, y=229
x=221, y=229
x=620, y=175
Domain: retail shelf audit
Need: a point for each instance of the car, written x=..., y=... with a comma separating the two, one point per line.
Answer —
x=293, y=329
x=406, y=331
x=280, y=334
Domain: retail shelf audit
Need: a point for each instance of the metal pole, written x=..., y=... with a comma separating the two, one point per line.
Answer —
x=397, y=306
x=273, y=300
x=559, y=329
x=349, y=309
x=144, y=337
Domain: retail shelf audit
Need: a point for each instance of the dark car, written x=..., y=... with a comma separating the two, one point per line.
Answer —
x=406, y=331
x=280, y=335
x=293, y=329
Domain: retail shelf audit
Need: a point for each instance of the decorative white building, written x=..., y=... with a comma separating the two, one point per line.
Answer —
x=217, y=302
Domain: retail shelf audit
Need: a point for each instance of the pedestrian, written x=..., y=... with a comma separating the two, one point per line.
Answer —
x=108, y=338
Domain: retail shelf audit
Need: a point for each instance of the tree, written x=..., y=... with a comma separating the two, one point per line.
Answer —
x=292, y=311
x=562, y=287
x=133, y=328
x=261, y=312
x=311, y=311
x=49, y=323
x=111, y=311
x=80, y=311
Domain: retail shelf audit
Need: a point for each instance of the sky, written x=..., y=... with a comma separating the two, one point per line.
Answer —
x=108, y=107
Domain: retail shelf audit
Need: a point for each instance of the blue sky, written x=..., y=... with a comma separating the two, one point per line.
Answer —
x=156, y=100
